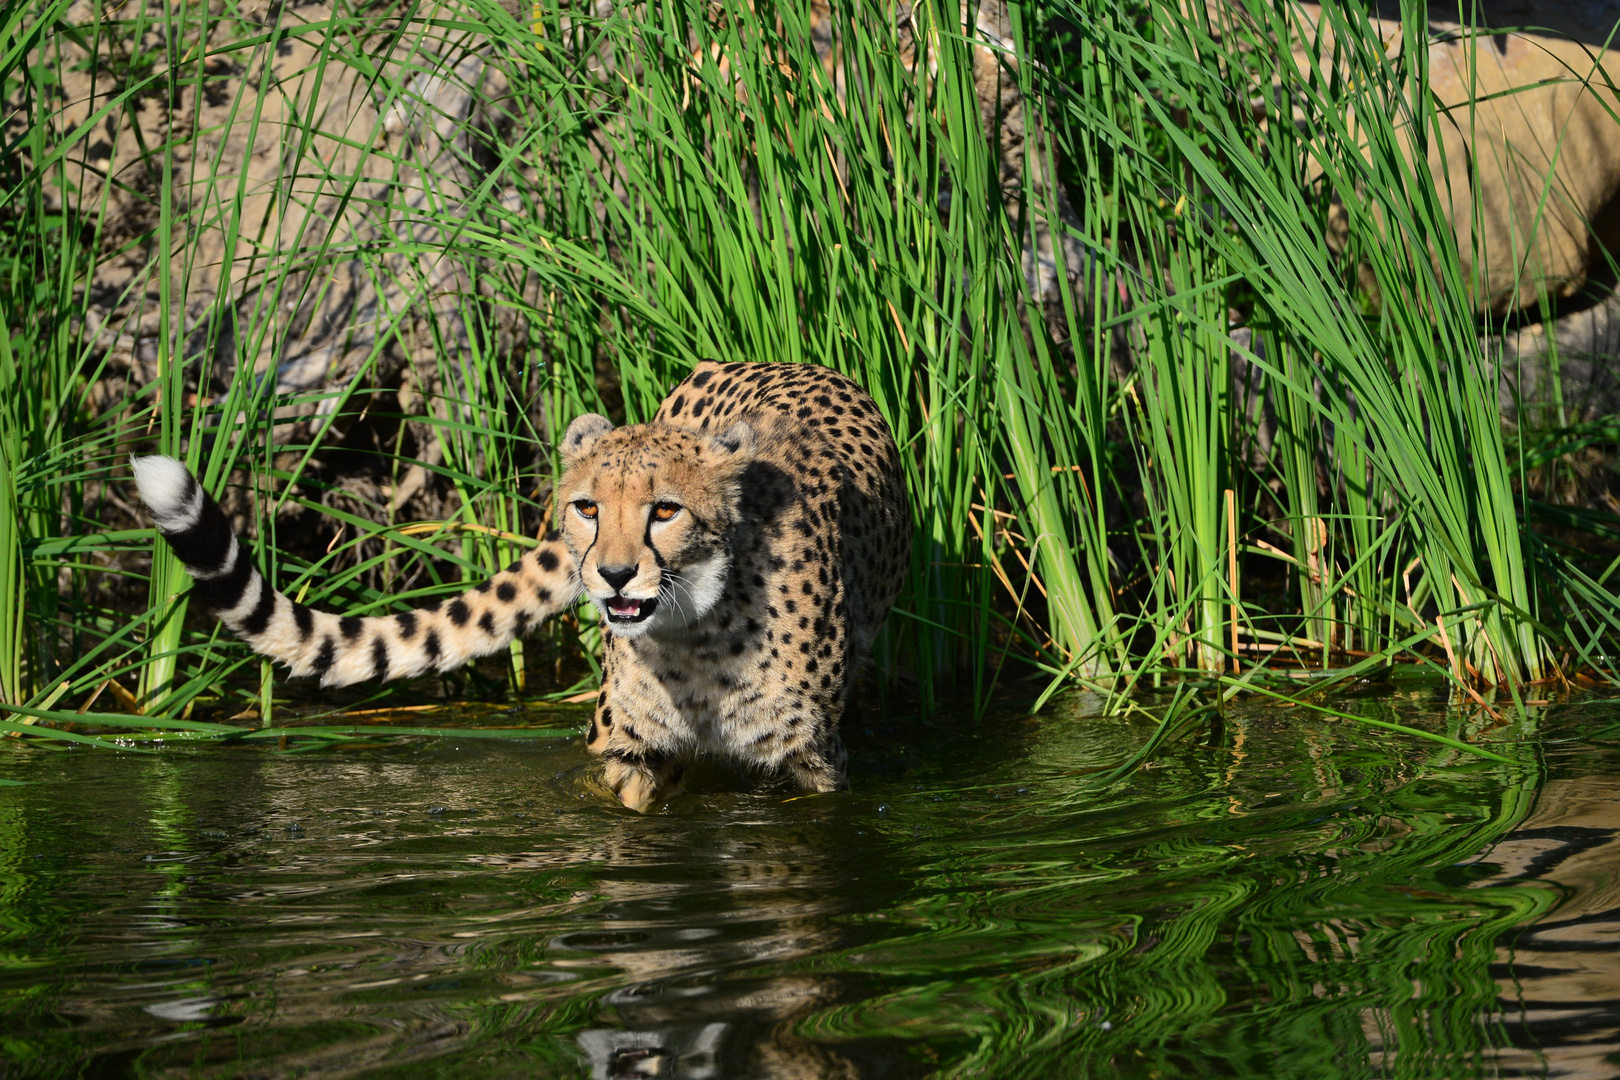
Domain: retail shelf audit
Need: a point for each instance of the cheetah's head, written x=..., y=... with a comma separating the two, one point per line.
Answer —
x=647, y=511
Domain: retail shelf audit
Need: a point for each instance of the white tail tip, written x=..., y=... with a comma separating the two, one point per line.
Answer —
x=164, y=483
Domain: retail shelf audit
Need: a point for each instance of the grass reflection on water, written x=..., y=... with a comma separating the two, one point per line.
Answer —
x=1304, y=899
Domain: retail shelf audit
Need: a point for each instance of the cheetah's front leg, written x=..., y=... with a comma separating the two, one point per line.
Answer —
x=639, y=774
x=643, y=781
x=821, y=766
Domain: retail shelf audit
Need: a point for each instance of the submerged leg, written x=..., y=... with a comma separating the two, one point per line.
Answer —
x=639, y=774
x=643, y=780
x=822, y=766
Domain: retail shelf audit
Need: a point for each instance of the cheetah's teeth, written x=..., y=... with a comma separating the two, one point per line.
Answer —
x=625, y=609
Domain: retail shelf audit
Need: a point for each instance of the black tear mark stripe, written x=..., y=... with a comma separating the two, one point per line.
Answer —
x=205, y=544
x=584, y=556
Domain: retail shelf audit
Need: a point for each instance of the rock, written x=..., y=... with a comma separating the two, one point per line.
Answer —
x=333, y=176
x=1537, y=111
x=1581, y=386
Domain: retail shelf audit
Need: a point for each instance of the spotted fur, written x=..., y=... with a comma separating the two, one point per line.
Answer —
x=743, y=549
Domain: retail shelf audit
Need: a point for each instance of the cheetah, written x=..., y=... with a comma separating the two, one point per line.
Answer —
x=743, y=550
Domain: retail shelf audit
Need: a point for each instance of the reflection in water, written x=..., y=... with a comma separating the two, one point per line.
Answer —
x=1301, y=899
x=1560, y=977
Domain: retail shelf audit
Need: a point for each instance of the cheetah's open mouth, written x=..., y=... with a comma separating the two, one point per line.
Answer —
x=624, y=609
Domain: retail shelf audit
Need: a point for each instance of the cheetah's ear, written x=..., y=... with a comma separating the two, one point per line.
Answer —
x=583, y=433
x=734, y=445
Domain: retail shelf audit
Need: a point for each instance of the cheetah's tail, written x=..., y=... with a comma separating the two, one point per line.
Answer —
x=346, y=649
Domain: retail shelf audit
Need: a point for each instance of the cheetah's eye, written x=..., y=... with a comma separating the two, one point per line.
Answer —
x=586, y=508
x=665, y=510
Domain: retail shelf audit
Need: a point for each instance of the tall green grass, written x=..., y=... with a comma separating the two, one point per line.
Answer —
x=1420, y=534
x=634, y=191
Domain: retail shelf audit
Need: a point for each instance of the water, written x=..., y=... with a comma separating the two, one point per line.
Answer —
x=1287, y=897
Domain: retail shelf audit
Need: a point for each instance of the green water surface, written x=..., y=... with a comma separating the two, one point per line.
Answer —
x=1287, y=896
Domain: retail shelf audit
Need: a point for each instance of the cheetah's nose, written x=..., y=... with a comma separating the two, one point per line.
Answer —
x=617, y=576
